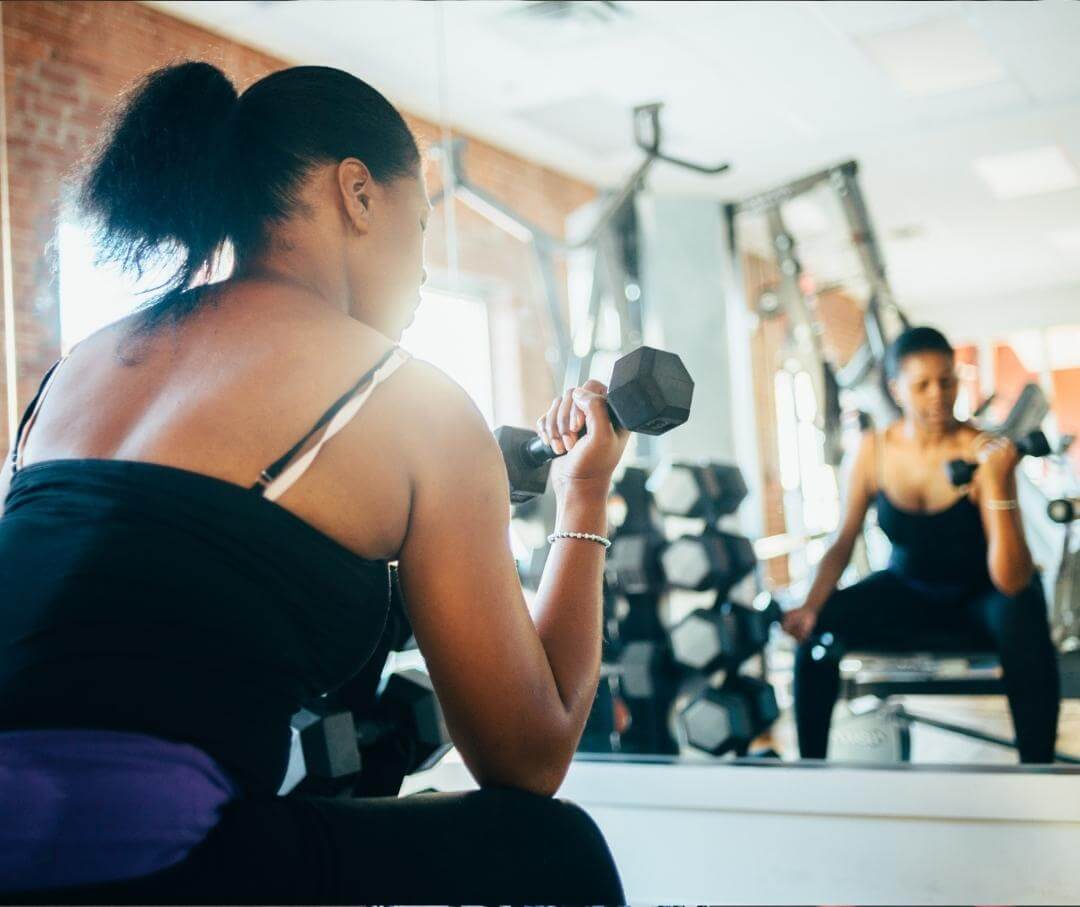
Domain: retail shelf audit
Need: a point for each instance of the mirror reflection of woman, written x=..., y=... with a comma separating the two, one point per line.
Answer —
x=960, y=573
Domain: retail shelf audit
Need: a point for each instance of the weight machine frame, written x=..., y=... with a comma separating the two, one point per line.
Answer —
x=612, y=240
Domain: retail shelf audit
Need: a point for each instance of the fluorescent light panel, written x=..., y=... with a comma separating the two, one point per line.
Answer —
x=933, y=57
x=1029, y=172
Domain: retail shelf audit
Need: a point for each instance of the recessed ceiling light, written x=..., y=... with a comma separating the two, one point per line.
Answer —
x=1066, y=240
x=1029, y=172
x=933, y=57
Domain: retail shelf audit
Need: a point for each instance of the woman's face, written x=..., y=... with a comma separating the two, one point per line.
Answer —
x=387, y=266
x=926, y=387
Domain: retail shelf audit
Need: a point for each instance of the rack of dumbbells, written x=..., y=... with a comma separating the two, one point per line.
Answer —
x=699, y=682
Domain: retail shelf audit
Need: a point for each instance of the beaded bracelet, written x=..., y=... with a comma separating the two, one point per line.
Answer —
x=587, y=536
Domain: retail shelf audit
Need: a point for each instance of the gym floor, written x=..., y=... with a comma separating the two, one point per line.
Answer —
x=989, y=714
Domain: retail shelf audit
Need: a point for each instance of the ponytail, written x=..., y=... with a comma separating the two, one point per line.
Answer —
x=186, y=165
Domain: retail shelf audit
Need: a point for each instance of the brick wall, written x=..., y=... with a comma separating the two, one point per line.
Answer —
x=64, y=65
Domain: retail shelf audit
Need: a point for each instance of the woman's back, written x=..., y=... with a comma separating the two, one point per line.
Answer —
x=228, y=391
x=130, y=553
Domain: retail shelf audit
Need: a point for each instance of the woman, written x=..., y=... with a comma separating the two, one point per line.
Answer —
x=171, y=599
x=960, y=567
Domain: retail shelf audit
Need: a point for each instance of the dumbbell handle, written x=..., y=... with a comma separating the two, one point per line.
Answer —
x=1033, y=444
x=536, y=453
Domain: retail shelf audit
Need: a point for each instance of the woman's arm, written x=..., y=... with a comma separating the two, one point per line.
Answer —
x=1007, y=555
x=801, y=621
x=516, y=693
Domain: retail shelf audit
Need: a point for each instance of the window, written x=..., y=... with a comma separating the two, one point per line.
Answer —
x=91, y=295
x=451, y=332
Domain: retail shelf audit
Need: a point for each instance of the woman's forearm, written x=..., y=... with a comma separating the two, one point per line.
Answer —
x=828, y=575
x=1008, y=557
x=568, y=608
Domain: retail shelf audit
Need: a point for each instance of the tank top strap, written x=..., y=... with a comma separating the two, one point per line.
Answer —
x=31, y=414
x=279, y=476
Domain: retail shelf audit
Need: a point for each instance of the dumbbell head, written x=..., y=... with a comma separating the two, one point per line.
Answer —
x=761, y=698
x=712, y=560
x=707, y=639
x=650, y=391
x=633, y=564
x=709, y=490
x=642, y=667
x=755, y=624
x=632, y=491
x=328, y=740
x=718, y=721
x=527, y=479
x=410, y=708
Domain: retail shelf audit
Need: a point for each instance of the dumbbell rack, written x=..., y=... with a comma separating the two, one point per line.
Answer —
x=649, y=701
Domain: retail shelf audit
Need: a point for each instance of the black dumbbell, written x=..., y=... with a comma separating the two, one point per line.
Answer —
x=642, y=668
x=650, y=392
x=1033, y=444
x=633, y=563
x=728, y=718
x=707, y=490
x=713, y=560
x=724, y=635
x=370, y=752
x=327, y=738
x=630, y=494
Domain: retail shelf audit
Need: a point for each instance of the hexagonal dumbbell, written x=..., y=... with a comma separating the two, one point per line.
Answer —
x=641, y=668
x=717, y=721
x=633, y=563
x=650, y=392
x=712, y=560
x=727, y=719
x=706, y=490
x=722, y=636
x=707, y=639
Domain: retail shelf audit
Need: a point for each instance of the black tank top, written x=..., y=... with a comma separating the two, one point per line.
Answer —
x=147, y=598
x=945, y=548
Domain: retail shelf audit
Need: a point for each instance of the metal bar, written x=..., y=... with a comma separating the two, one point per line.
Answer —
x=563, y=349
x=763, y=200
x=578, y=368
x=803, y=327
x=904, y=715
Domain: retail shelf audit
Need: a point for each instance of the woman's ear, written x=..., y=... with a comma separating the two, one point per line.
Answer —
x=894, y=389
x=355, y=187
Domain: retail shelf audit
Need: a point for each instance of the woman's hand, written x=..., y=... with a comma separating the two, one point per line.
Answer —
x=800, y=622
x=590, y=458
x=997, y=457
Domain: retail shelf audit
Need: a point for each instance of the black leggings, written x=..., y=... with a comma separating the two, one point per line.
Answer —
x=882, y=612
x=482, y=847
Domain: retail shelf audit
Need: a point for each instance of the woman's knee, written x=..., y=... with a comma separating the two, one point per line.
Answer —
x=569, y=839
x=1018, y=619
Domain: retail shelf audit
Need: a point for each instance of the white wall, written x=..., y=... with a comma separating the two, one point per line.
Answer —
x=816, y=833
x=967, y=320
